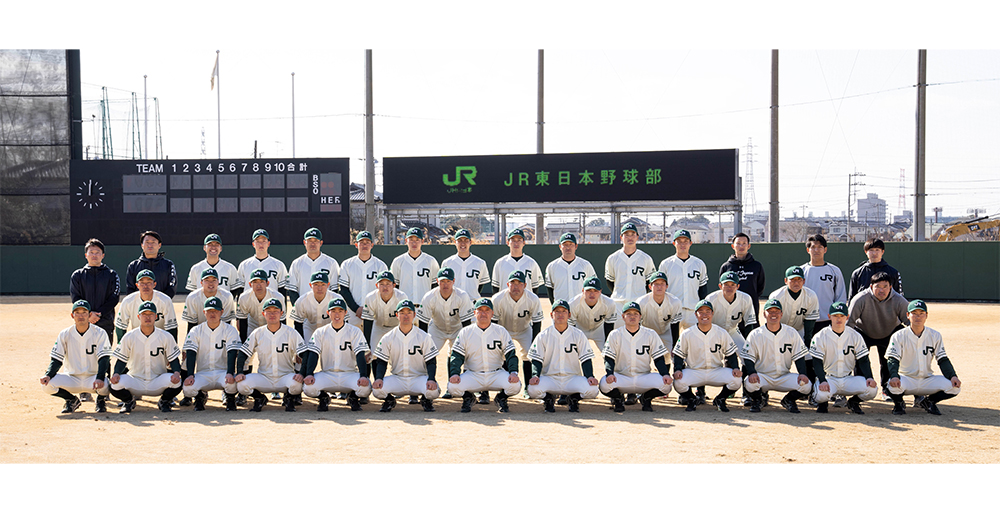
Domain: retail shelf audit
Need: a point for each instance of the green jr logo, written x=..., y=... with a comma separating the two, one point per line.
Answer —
x=468, y=171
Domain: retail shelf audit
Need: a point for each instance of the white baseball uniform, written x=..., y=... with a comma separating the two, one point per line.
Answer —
x=485, y=353
x=212, y=347
x=828, y=283
x=414, y=276
x=194, y=306
x=562, y=355
x=360, y=276
x=277, y=273
x=565, y=279
x=659, y=316
x=684, y=278
x=338, y=352
x=704, y=357
x=313, y=313
x=635, y=372
x=303, y=267
x=794, y=312
x=250, y=308
x=381, y=313
x=148, y=360
x=79, y=354
x=508, y=264
x=629, y=273
x=517, y=317
x=915, y=355
x=728, y=315
x=444, y=317
x=275, y=352
x=839, y=354
x=470, y=273
x=591, y=319
x=128, y=311
x=773, y=355
x=407, y=354
x=229, y=278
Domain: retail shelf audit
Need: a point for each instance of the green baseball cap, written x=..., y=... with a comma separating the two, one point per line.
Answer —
x=560, y=303
x=362, y=235
x=463, y=233
x=81, y=303
x=260, y=232
x=658, y=275
x=213, y=237
x=516, y=275
x=213, y=303
x=704, y=302
x=483, y=301
x=838, y=308
x=632, y=306
x=406, y=303
x=259, y=274
x=415, y=232
x=210, y=273
x=147, y=306
x=319, y=277
x=567, y=237
x=385, y=275
x=795, y=271
x=313, y=233
x=145, y=273
x=336, y=303
x=682, y=233
x=772, y=303
x=516, y=232
x=447, y=273
x=592, y=283
x=629, y=227
x=916, y=304
x=729, y=276
x=272, y=303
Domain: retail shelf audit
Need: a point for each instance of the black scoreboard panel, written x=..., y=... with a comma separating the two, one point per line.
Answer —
x=184, y=200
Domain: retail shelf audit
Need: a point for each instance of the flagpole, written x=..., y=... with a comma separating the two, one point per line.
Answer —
x=218, y=101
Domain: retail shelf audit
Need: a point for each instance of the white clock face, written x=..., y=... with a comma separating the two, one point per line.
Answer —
x=90, y=194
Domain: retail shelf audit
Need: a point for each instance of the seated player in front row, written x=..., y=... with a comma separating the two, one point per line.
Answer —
x=275, y=344
x=706, y=355
x=410, y=353
x=909, y=354
x=837, y=352
x=768, y=354
x=635, y=362
x=561, y=362
x=206, y=351
x=339, y=349
x=153, y=361
x=82, y=352
x=490, y=359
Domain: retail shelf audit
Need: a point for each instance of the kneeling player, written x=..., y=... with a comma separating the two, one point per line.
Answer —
x=910, y=353
x=630, y=355
x=706, y=355
x=153, y=361
x=410, y=353
x=339, y=349
x=837, y=351
x=275, y=344
x=768, y=354
x=206, y=353
x=561, y=362
x=490, y=359
x=82, y=352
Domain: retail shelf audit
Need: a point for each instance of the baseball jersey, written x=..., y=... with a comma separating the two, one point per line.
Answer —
x=828, y=284
x=589, y=318
x=337, y=349
x=128, y=311
x=728, y=315
x=684, y=278
x=563, y=353
x=795, y=311
x=78, y=352
x=194, y=306
x=516, y=316
x=634, y=354
x=313, y=313
x=211, y=345
x=382, y=313
x=275, y=351
x=147, y=357
x=414, y=276
x=839, y=352
x=565, y=279
x=705, y=351
x=249, y=308
x=915, y=354
x=659, y=317
x=628, y=273
x=360, y=276
x=303, y=267
x=407, y=353
x=277, y=273
x=229, y=278
x=774, y=354
x=507, y=264
x=483, y=350
x=470, y=273
x=446, y=315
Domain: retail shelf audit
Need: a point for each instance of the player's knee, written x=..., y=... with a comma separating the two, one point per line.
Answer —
x=535, y=392
x=751, y=387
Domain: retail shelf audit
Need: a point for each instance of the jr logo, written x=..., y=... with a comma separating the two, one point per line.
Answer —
x=469, y=172
x=787, y=348
x=282, y=348
x=737, y=316
x=524, y=314
x=220, y=344
x=571, y=348
x=415, y=349
x=346, y=345
x=599, y=319
x=371, y=276
x=695, y=275
x=224, y=281
x=642, y=350
x=826, y=277
x=578, y=276
x=472, y=274
x=800, y=311
x=93, y=347
x=325, y=316
x=424, y=272
x=927, y=350
x=273, y=274
x=716, y=348
x=493, y=346
x=849, y=350
x=638, y=271
x=159, y=351
x=454, y=312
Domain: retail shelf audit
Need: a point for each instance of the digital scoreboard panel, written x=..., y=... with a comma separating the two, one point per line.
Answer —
x=184, y=200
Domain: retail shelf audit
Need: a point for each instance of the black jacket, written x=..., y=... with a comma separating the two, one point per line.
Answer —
x=166, y=274
x=862, y=276
x=751, y=274
x=100, y=287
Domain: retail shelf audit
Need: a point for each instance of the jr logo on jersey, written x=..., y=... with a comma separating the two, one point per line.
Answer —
x=848, y=350
x=599, y=319
x=493, y=346
x=371, y=276
x=642, y=350
x=415, y=349
x=826, y=277
x=93, y=347
x=638, y=270
x=159, y=351
x=787, y=348
x=282, y=348
x=571, y=348
x=801, y=311
x=347, y=345
x=454, y=312
x=736, y=317
x=716, y=348
x=273, y=274
x=325, y=316
x=224, y=281
x=472, y=274
x=578, y=276
x=424, y=272
x=927, y=350
x=695, y=275
x=524, y=314
x=220, y=344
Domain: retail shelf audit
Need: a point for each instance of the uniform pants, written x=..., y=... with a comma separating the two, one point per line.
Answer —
x=638, y=384
x=141, y=387
x=75, y=384
x=265, y=383
x=378, y=331
x=846, y=386
x=329, y=381
x=922, y=386
x=688, y=319
x=619, y=304
x=562, y=385
x=522, y=340
x=597, y=335
x=209, y=380
x=494, y=381
x=878, y=346
x=721, y=377
x=739, y=340
x=786, y=383
x=412, y=385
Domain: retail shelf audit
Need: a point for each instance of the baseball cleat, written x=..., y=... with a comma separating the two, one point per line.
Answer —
x=618, y=404
x=354, y=401
x=754, y=407
x=241, y=400
x=427, y=404
x=71, y=405
x=364, y=400
x=929, y=406
x=447, y=395
x=550, y=403
x=414, y=400
x=691, y=405
x=854, y=406
x=563, y=400
x=631, y=399
x=720, y=403
x=647, y=403
x=501, y=401
x=340, y=395
x=199, y=401
x=164, y=406
x=898, y=409
x=230, y=403
x=484, y=397
x=276, y=396
x=823, y=408
x=259, y=403
x=127, y=407
x=681, y=400
x=574, y=403
x=839, y=401
x=101, y=405
x=916, y=400
x=297, y=399
x=85, y=397
x=388, y=404
x=747, y=401
x=187, y=401
x=467, y=401
x=324, y=402
x=288, y=402
x=790, y=406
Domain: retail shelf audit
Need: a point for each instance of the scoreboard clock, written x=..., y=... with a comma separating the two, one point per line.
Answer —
x=184, y=200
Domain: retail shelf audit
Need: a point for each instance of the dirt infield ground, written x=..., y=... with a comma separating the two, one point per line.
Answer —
x=35, y=432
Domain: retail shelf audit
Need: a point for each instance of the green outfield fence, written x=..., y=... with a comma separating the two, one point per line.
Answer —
x=940, y=271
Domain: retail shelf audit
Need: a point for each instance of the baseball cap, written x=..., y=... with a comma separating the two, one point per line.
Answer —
x=629, y=226
x=794, y=271
x=385, y=275
x=560, y=303
x=704, y=302
x=632, y=306
x=147, y=306
x=313, y=233
x=682, y=233
x=207, y=273
x=259, y=274
x=336, y=303
x=406, y=303
x=213, y=237
x=658, y=275
x=145, y=273
x=772, y=303
x=515, y=232
x=516, y=275
x=916, y=304
x=567, y=237
x=838, y=308
x=213, y=303
x=729, y=276
x=592, y=283
x=260, y=232
x=81, y=303
x=415, y=232
x=483, y=301
x=362, y=235
x=272, y=302
x=447, y=273
x=319, y=277
x=463, y=233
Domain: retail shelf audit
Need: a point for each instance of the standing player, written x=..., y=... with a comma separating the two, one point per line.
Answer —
x=412, y=356
x=519, y=311
x=310, y=312
x=769, y=353
x=275, y=269
x=801, y=308
x=823, y=278
x=837, y=352
x=561, y=363
x=194, y=312
x=662, y=311
x=229, y=278
x=443, y=311
x=706, y=355
x=415, y=271
x=338, y=349
x=358, y=275
x=565, y=276
x=471, y=272
x=687, y=276
x=910, y=354
x=487, y=352
x=314, y=261
x=861, y=277
x=275, y=345
x=83, y=353
x=153, y=362
x=631, y=355
x=516, y=260
x=206, y=352
x=379, y=311
x=97, y=284
x=593, y=312
x=129, y=313
x=250, y=307
x=626, y=270
x=164, y=272
x=877, y=313
x=750, y=271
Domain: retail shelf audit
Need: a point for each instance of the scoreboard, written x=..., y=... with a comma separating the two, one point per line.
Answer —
x=184, y=200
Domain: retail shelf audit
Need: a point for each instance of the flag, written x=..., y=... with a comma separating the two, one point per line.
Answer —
x=215, y=70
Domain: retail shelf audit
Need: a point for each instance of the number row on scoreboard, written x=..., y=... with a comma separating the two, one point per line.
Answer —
x=157, y=203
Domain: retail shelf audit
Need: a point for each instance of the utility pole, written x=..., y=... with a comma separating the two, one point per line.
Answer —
x=540, y=139
x=773, y=217
x=370, y=152
x=920, y=191
x=851, y=184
